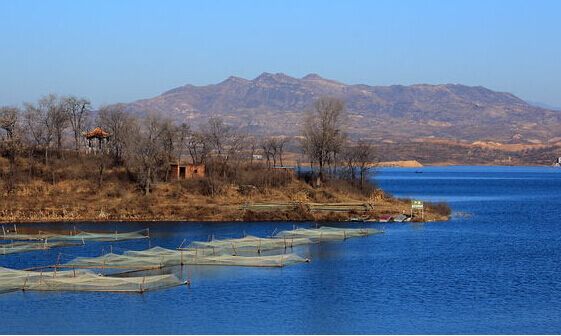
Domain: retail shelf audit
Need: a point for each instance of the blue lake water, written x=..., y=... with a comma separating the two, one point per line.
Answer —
x=494, y=268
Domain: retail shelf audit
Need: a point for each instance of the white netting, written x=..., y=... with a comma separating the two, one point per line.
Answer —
x=79, y=236
x=12, y=279
x=90, y=282
x=260, y=261
x=22, y=236
x=20, y=247
x=100, y=237
x=159, y=257
x=80, y=280
x=226, y=252
x=248, y=244
x=327, y=233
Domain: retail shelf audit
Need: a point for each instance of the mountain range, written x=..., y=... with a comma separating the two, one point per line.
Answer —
x=277, y=103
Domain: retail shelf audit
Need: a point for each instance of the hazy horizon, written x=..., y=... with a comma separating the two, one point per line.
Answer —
x=122, y=51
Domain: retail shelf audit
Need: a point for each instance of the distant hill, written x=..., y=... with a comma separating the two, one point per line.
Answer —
x=276, y=103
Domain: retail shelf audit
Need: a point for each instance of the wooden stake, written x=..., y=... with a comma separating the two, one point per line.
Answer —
x=57, y=262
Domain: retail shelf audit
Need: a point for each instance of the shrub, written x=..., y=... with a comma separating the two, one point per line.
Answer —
x=440, y=208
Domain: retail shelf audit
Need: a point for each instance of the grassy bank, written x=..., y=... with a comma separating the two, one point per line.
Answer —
x=69, y=191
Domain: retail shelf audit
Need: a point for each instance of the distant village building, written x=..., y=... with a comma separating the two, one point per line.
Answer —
x=557, y=162
x=96, y=140
x=186, y=171
x=257, y=157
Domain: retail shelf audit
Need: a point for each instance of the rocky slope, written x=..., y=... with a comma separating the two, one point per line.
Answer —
x=276, y=103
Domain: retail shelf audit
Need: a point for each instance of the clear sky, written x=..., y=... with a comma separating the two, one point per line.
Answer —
x=119, y=50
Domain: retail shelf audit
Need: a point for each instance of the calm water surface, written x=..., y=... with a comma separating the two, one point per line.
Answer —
x=494, y=268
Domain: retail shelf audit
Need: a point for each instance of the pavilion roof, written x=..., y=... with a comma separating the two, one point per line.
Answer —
x=96, y=133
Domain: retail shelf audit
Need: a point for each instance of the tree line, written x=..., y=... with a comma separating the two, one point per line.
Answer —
x=52, y=129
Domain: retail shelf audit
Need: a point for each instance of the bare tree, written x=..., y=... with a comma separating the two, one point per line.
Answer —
x=252, y=144
x=217, y=133
x=119, y=124
x=57, y=118
x=183, y=133
x=169, y=134
x=281, y=142
x=269, y=147
x=267, y=151
x=77, y=111
x=350, y=162
x=199, y=147
x=224, y=141
x=10, y=143
x=273, y=148
x=322, y=134
x=8, y=120
x=359, y=158
x=39, y=123
x=365, y=157
x=146, y=157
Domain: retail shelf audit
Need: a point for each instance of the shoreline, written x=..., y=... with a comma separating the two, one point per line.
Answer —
x=175, y=221
x=233, y=213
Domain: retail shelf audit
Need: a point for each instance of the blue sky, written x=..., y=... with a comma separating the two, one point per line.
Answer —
x=119, y=51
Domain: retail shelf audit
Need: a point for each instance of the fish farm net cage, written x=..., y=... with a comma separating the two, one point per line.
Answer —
x=247, y=244
x=27, y=246
x=325, y=233
x=80, y=236
x=101, y=237
x=158, y=257
x=89, y=273
x=81, y=281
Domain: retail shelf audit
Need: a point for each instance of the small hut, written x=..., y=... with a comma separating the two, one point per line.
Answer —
x=186, y=171
x=96, y=140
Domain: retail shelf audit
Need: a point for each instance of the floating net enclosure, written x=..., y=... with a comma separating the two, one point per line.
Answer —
x=28, y=246
x=81, y=281
x=327, y=233
x=12, y=279
x=22, y=236
x=80, y=274
x=194, y=256
x=79, y=236
x=112, y=260
x=101, y=237
x=90, y=282
x=280, y=260
x=158, y=257
x=248, y=244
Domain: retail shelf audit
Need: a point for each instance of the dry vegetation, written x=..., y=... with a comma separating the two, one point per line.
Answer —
x=47, y=173
x=75, y=195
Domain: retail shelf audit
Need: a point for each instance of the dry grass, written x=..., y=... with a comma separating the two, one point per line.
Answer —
x=73, y=194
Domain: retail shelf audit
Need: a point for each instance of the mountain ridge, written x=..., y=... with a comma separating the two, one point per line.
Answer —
x=274, y=103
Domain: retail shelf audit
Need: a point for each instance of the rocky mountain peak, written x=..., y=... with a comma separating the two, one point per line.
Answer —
x=276, y=102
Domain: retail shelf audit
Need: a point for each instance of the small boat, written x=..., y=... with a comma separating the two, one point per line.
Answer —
x=356, y=219
x=385, y=219
x=400, y=218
